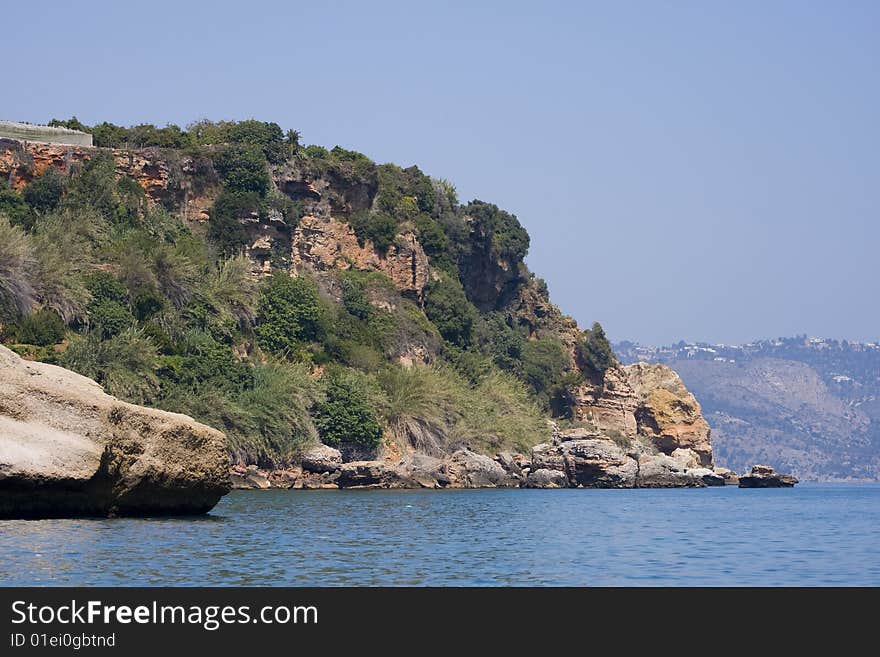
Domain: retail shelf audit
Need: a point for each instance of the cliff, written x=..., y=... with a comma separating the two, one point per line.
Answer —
x=393, y=272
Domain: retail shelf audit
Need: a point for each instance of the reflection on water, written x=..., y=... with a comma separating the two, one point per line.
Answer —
x=725, y=536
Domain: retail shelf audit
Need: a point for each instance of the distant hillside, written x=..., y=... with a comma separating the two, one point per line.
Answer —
x=806, y=405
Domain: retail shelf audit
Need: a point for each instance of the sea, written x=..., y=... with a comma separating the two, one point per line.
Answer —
x=810, y=535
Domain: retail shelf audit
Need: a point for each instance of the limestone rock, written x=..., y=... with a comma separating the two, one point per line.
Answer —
x=324, y=243
x=681, y=470
x=321, y=458
x=544, y=478
x=471, y=470
x=597, y=463
x=667, y=413
x=248, y=478
x=763, y=476
x=426, y=471
x=67, y=449
x=729, y=476
x=372, y=474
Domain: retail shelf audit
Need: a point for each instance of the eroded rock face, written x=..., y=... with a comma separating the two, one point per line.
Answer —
x=468, y=469
x=680, y=470
x=69, y=449
x=323, y=243
x=321, y=458
x=667, y=413
x=763, y=476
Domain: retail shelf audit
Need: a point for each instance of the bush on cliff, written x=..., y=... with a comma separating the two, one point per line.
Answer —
x=44, y=192
x=448, y=308
x=42, y=328
x=288, y=314
x=346, y=418
x=594, y=352
x=436, y=410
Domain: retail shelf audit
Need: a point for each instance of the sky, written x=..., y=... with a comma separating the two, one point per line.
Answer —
x=687, y=170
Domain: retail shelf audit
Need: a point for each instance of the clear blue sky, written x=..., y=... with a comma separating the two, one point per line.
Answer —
x=697, y=170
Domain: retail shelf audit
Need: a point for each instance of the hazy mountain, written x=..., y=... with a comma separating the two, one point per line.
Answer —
x=810, y=406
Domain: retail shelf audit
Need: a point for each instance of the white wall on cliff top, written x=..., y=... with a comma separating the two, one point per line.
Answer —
x=43, y=133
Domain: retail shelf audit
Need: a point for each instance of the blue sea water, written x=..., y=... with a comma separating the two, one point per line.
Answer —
x=809, y=535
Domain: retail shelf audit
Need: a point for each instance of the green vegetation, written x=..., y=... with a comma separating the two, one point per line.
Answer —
x=98, y=278
x=346, y=418
x=594, y=353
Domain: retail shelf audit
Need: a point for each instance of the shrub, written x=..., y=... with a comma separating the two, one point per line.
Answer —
x=44, y=192
x=42, y=328
x=147, y=304
x=450, y=311
x=267, y=137
x=378, y=228
x=124, y=364
x=594, y=353
x=288, y=313
x=104, y=286
x=354, y=298
x=17, y=266
x=14, y=207
x=544, y=363
x=109, y=318
x=243, y=169
x=346, y=418
x=225, y=229
x=72, y=123
x=508, y=239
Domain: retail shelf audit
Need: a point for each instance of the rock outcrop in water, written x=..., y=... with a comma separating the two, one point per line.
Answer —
x=69, y=449
x=575, y=458
x=763, y=476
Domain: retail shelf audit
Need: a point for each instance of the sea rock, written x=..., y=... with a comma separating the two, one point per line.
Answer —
x=544, y=478
x=512, y=463
x=729, y=476
x=426, y=471
x=681, y=470
x=468, y=469
x=69, y=449
x=763, y=476
x=248, y=478
x=320, y=459
x=372, y=474
x=598, y=463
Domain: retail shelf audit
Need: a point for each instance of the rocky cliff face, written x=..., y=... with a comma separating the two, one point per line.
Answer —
x=67, y=448
x=324, y=243
x=648, y=401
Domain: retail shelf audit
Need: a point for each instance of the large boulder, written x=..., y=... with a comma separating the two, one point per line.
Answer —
x=584, y=462
x=468, y=469
x=426, y=471
x=69, y=449
x=763, y=476
x=320, y=459
x=599, y=463
x=544, y=478
x=680, y=470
